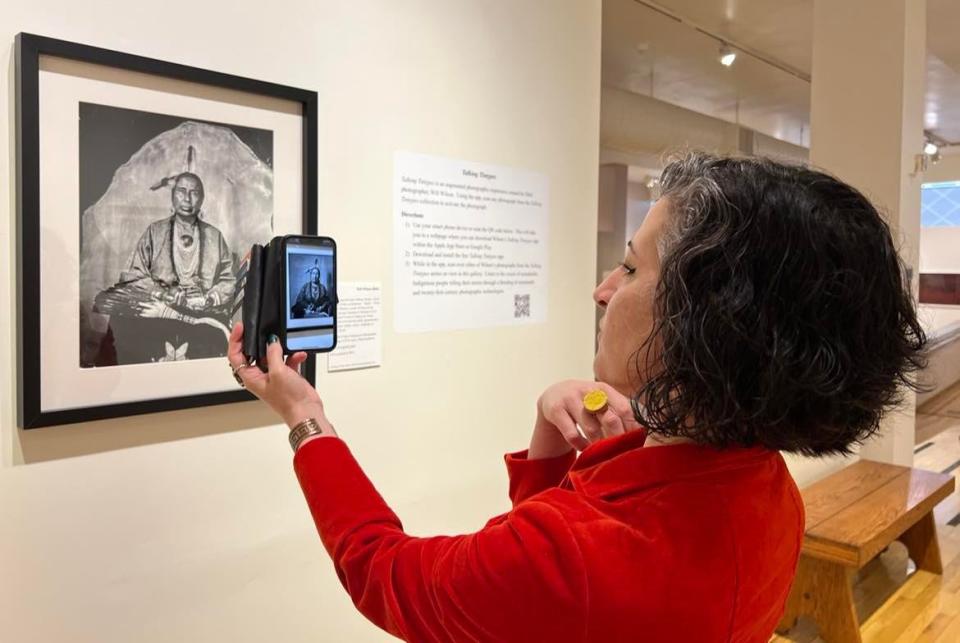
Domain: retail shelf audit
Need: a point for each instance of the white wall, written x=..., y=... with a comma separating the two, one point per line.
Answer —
x=639, y=130
x=940, y=249
x=639, y=125
x=764, y=145
x=639, y=201
x=940, y=246
x=937, y=316
x=190, y=525
x=946, y=169
x=880, y=47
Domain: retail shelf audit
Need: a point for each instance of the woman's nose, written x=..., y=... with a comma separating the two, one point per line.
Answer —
x=604, y=290
x=598, y=297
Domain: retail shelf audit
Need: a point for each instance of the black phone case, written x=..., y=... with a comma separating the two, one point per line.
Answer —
x=263, y=300
x=271, y=298
x=252, y=284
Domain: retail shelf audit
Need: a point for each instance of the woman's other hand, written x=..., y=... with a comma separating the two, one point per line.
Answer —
x=281, y=387
x=560, y=410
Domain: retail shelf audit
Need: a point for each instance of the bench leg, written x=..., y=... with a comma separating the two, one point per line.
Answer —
x=921, y=542
x=823, y=591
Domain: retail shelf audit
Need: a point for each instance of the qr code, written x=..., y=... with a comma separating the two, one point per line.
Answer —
x=521, y=306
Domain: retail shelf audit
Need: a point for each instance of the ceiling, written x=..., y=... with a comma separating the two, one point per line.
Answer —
x=650, y=53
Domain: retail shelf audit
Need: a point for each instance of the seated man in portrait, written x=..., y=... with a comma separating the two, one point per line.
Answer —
x=185, y=260
x=181, y=270
x=314, y=299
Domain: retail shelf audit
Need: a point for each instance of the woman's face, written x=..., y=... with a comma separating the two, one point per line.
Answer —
x=626, y=297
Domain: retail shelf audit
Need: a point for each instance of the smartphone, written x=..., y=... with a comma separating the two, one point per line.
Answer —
x=309, y=274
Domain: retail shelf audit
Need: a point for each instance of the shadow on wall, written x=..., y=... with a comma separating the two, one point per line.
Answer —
x=72, y=440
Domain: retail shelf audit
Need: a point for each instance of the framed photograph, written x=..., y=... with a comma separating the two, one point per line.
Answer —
x=141, y=186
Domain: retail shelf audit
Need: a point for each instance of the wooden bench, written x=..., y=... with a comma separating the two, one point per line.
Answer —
x=852, y=516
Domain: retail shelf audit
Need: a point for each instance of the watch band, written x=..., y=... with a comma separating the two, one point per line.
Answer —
x=302, y=431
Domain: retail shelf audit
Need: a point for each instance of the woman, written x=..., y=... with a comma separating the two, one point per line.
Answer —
x=759, y=308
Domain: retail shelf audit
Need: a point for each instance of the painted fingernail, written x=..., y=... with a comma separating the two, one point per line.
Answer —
x=272, y=338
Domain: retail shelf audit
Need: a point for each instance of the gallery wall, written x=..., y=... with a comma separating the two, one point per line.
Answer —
x=639, y=130
x=940, y=245
x=189, y=525
x=946, y=169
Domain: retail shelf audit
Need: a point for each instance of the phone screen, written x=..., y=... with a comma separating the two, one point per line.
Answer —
x=311, y=303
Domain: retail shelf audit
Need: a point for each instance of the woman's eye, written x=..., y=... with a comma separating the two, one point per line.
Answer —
x=627, y=269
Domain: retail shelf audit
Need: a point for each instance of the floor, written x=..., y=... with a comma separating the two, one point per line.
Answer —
x=895, y=603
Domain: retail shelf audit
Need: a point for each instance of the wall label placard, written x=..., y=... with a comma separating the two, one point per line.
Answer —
x=359, y=334
x=470, y=244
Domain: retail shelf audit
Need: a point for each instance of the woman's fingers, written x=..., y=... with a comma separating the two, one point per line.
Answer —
x=235, y=347
x=251, y=376
x=568, y=429
x=611, y=424
x=296, y=360
x=616, y=420
x=589, y=423
x=275, y=363
x=604, y=425
x=253, y=379
x=623, y=408
x=562, y=407
x=616, y=400
x=292, y=397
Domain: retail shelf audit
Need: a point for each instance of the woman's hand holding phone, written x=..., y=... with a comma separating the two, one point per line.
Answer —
x=291, y=396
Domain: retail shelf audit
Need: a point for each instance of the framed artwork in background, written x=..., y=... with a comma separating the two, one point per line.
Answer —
x=141, y=185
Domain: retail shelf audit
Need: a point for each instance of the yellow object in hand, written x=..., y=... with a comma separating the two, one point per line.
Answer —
x=595, y=402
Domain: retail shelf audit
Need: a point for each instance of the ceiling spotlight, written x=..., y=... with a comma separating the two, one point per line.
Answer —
x=930, y=156
x=727, y=55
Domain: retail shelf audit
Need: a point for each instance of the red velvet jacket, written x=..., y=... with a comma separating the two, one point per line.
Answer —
x=673, y=543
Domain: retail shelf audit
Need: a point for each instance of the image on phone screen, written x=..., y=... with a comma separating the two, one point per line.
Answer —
x=310, y=294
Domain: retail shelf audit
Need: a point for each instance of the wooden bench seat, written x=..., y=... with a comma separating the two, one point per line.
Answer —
x=852, y=516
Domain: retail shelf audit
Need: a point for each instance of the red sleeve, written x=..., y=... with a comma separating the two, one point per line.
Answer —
x=521, y=579
x=529, y=477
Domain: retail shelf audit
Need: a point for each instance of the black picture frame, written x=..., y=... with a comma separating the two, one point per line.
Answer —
x=28, y=50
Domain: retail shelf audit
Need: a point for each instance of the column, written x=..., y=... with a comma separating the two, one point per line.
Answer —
x=867, y=101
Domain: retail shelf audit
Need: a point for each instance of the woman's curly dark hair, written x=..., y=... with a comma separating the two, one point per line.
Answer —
x=783, y=312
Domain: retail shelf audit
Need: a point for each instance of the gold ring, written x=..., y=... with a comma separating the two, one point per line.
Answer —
x=595, y=402
x=237, y=377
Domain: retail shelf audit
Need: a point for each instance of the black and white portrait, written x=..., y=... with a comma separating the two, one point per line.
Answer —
x=310, y=286
x=168, y=206
x=142, y=185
